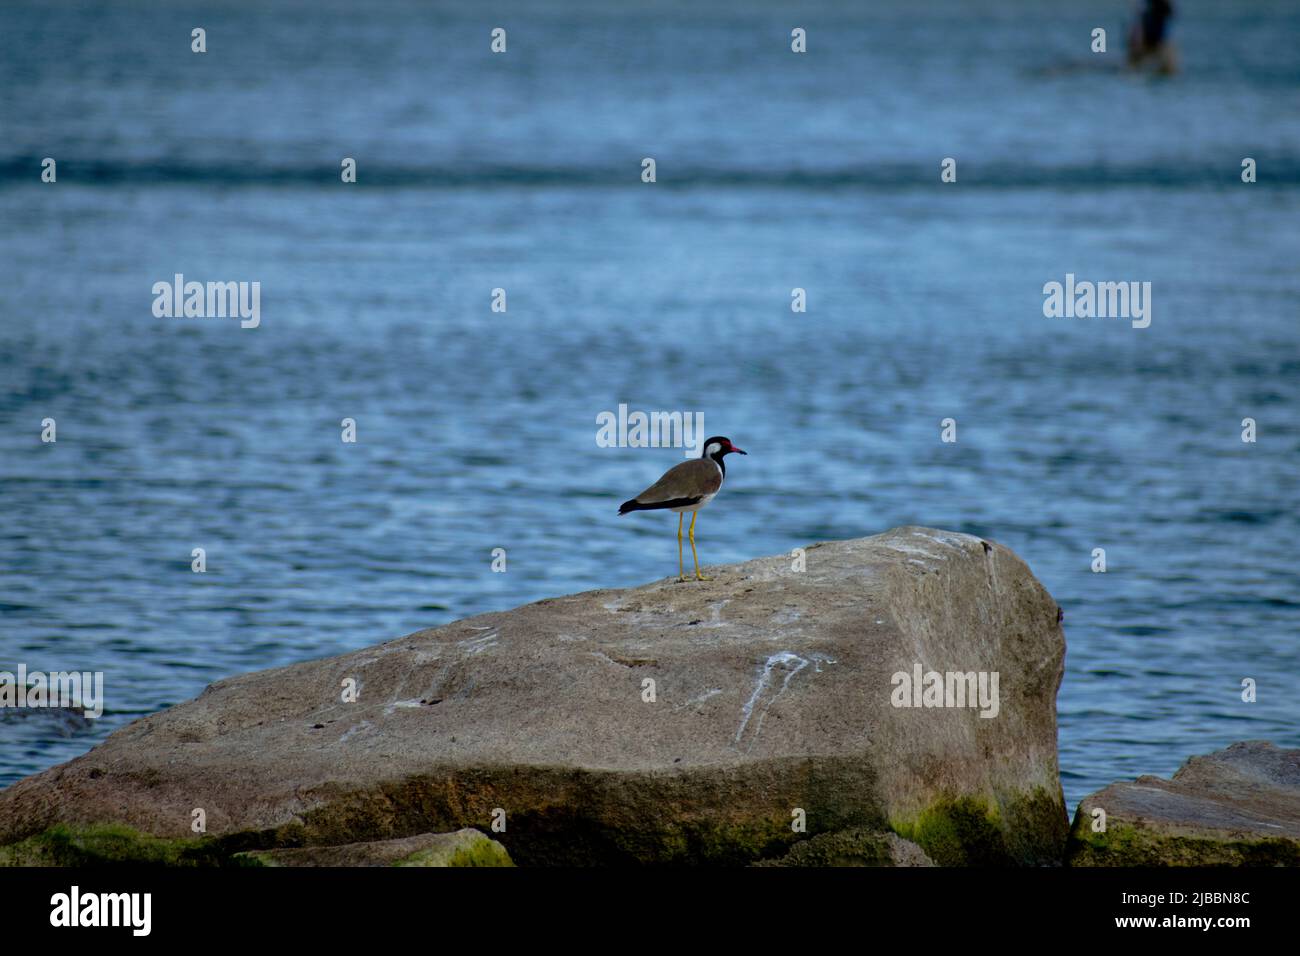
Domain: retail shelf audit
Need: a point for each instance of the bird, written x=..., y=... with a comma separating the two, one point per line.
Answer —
x=688, y=486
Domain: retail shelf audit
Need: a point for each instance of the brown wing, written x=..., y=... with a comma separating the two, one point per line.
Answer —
x=689, y=481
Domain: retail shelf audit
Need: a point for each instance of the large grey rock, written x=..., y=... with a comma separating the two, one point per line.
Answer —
x=771, y=695
x=1234, y=807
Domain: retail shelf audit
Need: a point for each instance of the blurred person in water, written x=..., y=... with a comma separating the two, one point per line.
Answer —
x=1148, y=37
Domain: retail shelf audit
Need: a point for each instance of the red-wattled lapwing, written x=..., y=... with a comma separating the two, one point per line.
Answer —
x=687, y=487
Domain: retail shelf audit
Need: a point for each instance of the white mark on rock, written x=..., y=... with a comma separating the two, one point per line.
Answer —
x=715, y=614
x=400, y=703
x=787, y=659
x=701, y=699
x=958, y=541
x=925, y=553
x=476, y=645
x=356, y=729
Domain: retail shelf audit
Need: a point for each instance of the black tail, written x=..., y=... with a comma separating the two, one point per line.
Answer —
x=634, y=505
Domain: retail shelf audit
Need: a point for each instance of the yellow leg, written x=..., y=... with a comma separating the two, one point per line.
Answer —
x=698, y=576
x=681, y=571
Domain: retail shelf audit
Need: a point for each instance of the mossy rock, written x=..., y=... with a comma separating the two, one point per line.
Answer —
x=466, y=847
x=968, y=831
x=108, y=844
x=465, y=851
x=1123, y=844
x=856, y=846
x=1239, y=806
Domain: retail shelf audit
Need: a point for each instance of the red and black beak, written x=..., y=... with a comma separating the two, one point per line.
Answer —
x=731, y=447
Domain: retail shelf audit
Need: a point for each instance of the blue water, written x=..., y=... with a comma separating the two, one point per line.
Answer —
x=477, y=429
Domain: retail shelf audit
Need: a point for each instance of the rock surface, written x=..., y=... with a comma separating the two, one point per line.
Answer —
x=1235, y=807
x=462, y=848
x=772, y=694
x=855, y=846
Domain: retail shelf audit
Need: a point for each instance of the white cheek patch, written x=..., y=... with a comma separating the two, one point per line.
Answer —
x=712, y=450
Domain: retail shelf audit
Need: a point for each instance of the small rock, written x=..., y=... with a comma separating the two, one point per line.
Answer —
x=1234, y=807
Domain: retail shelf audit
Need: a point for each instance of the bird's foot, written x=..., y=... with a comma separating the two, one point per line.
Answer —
x=681, y=579
x=700, y=577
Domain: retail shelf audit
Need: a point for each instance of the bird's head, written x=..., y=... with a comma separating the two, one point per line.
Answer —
x=718, y=447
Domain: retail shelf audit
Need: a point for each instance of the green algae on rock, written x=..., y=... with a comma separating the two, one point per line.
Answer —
x=463, y=848
x=109, y=843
